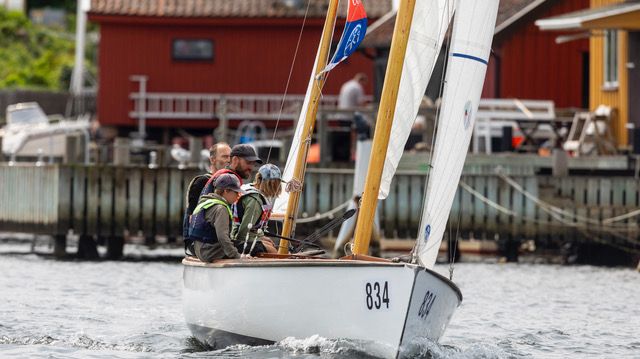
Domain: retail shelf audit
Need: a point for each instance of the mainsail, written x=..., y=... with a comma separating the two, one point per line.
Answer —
x=428, y=28
x=467, y=64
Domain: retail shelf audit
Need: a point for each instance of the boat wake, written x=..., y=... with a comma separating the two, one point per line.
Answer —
x=317, y=346
x=80, y=341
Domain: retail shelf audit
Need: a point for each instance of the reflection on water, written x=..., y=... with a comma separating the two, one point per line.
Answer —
x=128, y=309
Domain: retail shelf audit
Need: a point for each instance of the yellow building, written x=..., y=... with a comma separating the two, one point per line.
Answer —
x=613, y=27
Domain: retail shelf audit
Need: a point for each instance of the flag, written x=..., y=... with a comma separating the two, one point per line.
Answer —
x=352, y=35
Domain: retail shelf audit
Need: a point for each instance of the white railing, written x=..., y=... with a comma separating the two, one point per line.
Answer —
x=207, y=106
x=524, y=116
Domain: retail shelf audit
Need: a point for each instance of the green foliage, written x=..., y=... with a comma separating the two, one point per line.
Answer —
x=33, y=56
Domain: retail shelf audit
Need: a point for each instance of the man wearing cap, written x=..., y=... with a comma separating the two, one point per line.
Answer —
x=210, y=224
x=219, y=158
x=243, y=158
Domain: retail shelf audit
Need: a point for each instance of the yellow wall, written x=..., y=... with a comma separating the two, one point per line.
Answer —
x=616, y=98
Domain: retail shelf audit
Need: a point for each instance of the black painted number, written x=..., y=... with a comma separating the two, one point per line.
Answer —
x=427, y=303
x=377, y=295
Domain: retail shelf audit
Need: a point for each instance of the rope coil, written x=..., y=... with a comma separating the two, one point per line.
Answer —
x=294, y=185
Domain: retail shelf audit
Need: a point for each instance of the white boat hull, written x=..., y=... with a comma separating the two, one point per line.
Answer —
x=384, y=306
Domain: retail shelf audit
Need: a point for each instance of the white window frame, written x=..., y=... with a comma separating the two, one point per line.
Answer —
x=611, y=46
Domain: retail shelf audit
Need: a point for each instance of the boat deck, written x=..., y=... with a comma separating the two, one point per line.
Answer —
x=293, y=261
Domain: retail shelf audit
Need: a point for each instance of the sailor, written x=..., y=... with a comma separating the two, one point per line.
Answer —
x=210, y=224
x=219, y=158
x=242, y=160
x=252, y=211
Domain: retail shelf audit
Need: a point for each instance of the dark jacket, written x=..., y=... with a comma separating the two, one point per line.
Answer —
x=193, y=195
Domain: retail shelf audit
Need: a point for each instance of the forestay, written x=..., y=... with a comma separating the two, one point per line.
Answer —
x=428, y=28
x=467, y=64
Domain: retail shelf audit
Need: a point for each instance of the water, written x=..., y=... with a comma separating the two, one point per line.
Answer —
x=71, y=309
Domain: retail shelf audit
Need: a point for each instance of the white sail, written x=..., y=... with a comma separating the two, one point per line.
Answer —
x=280, y=205
x=428, y=28
x=467, y=64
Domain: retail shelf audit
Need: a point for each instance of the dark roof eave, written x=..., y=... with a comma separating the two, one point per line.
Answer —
x=200, y=21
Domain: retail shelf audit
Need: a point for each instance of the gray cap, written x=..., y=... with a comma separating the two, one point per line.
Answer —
x=228, y=181
x=247, y=152
x=270, y=172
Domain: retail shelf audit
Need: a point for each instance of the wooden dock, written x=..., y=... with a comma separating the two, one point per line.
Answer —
x=108, y=203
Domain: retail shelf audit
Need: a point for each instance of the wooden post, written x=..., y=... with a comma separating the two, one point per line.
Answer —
x=383, y=126
x=309, y=121
x=60, y=246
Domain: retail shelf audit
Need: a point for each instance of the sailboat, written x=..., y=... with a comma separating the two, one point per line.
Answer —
x=384, y=306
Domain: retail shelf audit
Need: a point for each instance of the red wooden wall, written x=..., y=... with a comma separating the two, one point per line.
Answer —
x=250, y=56
x=530, y=65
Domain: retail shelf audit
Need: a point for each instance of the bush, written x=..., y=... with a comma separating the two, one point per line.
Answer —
x=33, y=56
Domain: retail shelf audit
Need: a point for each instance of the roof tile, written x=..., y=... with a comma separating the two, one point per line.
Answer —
x=228, y=8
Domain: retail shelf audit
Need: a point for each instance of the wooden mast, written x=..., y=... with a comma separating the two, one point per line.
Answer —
x=383, y=126
x=309, y=122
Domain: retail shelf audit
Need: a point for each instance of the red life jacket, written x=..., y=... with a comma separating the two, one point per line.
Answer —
x=209, y=188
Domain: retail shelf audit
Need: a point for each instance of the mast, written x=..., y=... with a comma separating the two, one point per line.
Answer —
x=309, y=122
x=383, y=126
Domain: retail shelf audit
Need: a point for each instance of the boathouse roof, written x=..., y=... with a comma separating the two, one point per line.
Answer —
x=228, y=8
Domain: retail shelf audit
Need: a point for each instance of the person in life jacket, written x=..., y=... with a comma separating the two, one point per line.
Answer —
x=242, y=160
x=252, y=211
x=210, y=224
x=219, y=158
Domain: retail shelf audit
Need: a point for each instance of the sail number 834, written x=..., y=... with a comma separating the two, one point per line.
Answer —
x=377, y=295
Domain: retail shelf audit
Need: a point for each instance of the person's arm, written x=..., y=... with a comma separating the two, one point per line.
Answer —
x=219, y=219
x=194, y=192
x=252, y=213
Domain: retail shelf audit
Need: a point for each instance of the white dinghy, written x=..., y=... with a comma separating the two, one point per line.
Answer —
x=383, y=306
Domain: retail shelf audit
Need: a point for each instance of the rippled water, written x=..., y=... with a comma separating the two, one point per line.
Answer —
x=70, y=309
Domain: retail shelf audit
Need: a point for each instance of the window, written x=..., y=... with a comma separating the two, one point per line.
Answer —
x=192, y=50
x=610, y=59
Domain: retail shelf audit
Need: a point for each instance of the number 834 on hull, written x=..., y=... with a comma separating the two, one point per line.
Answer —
x=263, y=301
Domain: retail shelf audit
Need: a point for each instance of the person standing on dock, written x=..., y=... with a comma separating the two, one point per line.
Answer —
x=351, y=97
x=219, y=158
x=210, y=225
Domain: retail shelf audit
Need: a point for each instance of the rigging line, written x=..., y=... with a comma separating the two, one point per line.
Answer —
x=286, y=89
x=324, y=215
